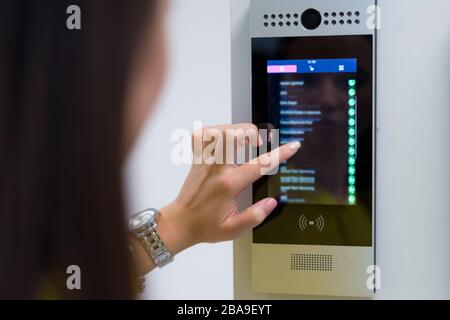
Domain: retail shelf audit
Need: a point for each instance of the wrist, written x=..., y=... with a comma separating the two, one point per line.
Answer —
x=171, y=232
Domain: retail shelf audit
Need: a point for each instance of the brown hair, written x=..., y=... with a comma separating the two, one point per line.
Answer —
x=61, y=117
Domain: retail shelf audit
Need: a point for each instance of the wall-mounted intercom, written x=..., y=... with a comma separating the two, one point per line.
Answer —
x=313, y=79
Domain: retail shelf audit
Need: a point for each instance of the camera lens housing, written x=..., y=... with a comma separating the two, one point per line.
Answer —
x=311, y=19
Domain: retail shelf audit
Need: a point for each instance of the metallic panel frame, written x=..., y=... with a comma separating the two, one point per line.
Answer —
x=271, y=271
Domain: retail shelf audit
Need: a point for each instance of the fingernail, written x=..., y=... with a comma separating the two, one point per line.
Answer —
x=269, y=205
x=294, y=146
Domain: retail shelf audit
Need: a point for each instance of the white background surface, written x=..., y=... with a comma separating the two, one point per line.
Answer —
x=413, y=223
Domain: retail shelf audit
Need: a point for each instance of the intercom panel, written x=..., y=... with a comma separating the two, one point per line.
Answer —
x=313, y=80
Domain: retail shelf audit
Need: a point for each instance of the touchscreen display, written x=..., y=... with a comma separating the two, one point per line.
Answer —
x=316, y=101
x=319, y=91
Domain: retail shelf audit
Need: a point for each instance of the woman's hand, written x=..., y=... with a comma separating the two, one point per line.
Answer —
x=206, y=208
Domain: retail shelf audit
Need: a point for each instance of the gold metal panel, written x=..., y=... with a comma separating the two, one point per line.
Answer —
x=272, y=272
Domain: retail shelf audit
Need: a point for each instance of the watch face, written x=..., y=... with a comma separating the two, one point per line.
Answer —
x=140, y=219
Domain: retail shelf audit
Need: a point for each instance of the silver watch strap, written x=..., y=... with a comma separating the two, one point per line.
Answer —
x=144, y=225
x=156, y=247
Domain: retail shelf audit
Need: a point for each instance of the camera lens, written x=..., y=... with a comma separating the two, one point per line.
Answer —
x=311, y=19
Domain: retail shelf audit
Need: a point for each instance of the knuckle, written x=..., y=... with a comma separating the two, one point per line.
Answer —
x=212, y=132
x=253, y=133
x=254, y=128
x=249, y=129
x=225, y=183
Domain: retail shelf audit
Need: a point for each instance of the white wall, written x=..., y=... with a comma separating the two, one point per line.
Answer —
x=413, y=235
x=198, y=88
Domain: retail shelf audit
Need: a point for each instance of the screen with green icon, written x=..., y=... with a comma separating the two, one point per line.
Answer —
x=316, y=101
x=319, y=91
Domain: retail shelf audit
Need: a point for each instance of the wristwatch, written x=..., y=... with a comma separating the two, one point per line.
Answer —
x=144, y=225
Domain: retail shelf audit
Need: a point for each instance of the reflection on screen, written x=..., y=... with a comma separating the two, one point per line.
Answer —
x=315, y=102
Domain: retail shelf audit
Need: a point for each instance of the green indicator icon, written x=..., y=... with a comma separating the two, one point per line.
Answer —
x=351, y=141
x=351, y=112
x=352, y=199
x=351, y=122
x=351, y=161
x=351, y=180
x=352, y=92
x=351, y=190
x=351, y=171
x=351, y=151
x=352, y=82
x=351, y=132
x=352, y=102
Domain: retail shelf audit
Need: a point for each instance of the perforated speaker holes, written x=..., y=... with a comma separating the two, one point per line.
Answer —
x=330, y=19
x=311, y=262
x=282, y=20
x=334, y=18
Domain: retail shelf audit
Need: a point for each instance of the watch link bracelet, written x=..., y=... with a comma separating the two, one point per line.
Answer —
x=144, y=225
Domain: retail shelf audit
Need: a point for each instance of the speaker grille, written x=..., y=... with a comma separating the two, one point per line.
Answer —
x=292, y=19
x=273, y=20
x=311, y=262
x=342, y=17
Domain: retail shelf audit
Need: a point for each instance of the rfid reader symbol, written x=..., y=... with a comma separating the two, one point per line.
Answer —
x=317, y=223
